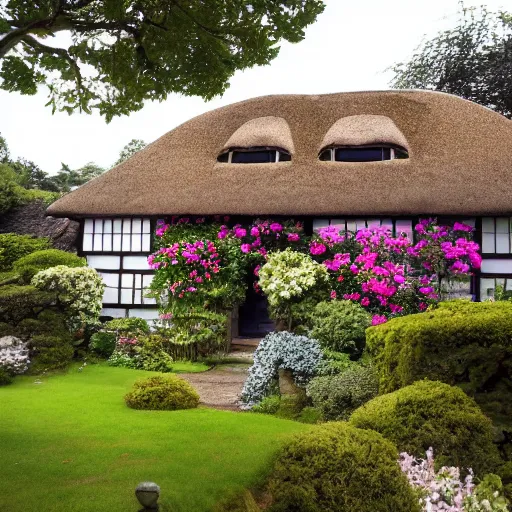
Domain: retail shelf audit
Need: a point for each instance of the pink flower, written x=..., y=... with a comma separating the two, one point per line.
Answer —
x=223, y=232
x=460, y=226
x=245, y=248
x=365, y=301
x=340, y=279
x=378, y=319
x=256, y=271
x=333, y=294
x=255, y=231
x=354, y=269
x=422, y=306
x=426, y=290
x=200, y=220
x=240, y=232
x=399, y=279
x=317, y=248
x=276, y=227
x=293, y=237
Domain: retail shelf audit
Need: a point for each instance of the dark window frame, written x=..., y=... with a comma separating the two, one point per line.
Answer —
x=332, y=151
x=281, y=154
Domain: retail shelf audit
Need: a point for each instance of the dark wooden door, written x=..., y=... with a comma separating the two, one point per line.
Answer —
x=254, y=321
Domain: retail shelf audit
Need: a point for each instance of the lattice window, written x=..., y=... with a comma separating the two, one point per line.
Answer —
x=117, y=235
x=497, y=235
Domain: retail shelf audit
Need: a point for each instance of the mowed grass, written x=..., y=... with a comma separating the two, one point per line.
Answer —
x=70, y=443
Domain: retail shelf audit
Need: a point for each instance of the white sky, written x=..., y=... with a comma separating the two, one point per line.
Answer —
x=349, y=48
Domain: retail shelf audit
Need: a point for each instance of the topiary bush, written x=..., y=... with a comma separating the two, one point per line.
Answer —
x=337, y=396
x=19, y=302
x=28, y=266
x=50, y=353
x=103, y=343
x=463, y=343
x=280, y=350
x=336, y=467
x=162, y=392
x=340, y=325
x=132, y=325
x=15, y=247
x=432, y=414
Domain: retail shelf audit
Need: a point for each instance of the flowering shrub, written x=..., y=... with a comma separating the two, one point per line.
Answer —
x=14, y=358
x=280, y=350
x=288, y=277
x=79, y=290
x=445, y=491
x=391, y=275
x=143, y=353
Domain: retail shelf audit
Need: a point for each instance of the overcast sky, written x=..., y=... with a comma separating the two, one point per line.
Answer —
x=349, y=48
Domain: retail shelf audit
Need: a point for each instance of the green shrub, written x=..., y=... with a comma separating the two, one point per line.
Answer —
x=462, y=343
x=5, y=377
x=432, y=414
x=238, y=502
x=50, y=353
x=334, y=363
x=19, y=302
x=337, y=396
x=162, y=392
x=340, y=325
x=336, y=467
x=150, y=354
x=47, y=322
x=133, y=325
x=6, y=330
x=15, y=247
x=269, y=405
x=28, y=266
x=103, y=343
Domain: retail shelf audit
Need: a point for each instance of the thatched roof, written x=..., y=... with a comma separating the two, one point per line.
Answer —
x=460, y=161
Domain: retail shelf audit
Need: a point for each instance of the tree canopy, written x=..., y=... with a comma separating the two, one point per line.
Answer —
x=473, y=60
x=116, y=54
x=130, y=149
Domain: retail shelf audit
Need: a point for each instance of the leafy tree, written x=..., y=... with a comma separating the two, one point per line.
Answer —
x=30, y=175
x=473, y=60
x=4, y=150
x=124, y=52
x=130, y=149
x=68, y=178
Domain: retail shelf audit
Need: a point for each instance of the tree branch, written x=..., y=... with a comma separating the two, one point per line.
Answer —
x=42, y=48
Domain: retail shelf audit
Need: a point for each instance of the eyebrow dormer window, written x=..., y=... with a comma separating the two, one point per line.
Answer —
x=254, y=155
x=362, y=154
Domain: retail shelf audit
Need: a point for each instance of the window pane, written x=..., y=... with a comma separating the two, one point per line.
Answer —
x=404, y=226
x=127, y=281
x=98, y=226
x=486, y=288
x=351, y=225
x=126, y=296
x=117, y=243
x=373, y=223
x=106, y=262
x=146, y=226
x=386, y=153
x=110, y=280
x=137, y=226
x=98, y=242
x=137, y=297
x=136, y=243
x=107, y=226
x=117, y=225
x=387, y=223
x=338, y=223
x=148, y=300
x=502, y=225
x=107, y=242
x=138, y=281
x=126, y=243
x=320, y=223
x=224, y=157
x=146, y=243
x=488, y=225
x=253, y=157
x=111, y=296
x=284, y=157
x=127, y=225
x=87, y=244
x=326, y=155
x=502, y=243
x=147, y=279
x=358, y=154
x=360, y=224
x=135, y=263
x=88, y=226
x=488, y=242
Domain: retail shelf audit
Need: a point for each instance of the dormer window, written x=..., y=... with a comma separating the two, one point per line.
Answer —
x=362, y=153
x=254, y=155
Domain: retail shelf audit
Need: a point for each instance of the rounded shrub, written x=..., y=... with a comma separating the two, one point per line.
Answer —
x=15, y=247
x=162, y=393
x=340, y=325
x=28, y=266
x=19, y=302
x=337, y=396
x=336, y=467
x=133, y=325
x=432, y=414
x=103, y=343
x=50, y=353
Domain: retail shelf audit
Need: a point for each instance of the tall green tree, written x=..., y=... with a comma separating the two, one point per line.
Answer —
x=122, y=52
x=130, y=149
x=66, y=179
x=473, y=60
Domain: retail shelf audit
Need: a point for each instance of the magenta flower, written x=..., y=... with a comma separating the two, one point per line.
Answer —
x=378, y=319
x=460, y=226
x=426, y=290
x=255, y=231
x=240, y=232
x=276, y=227
x=317, y=248
x=333, y=294
x=293, y=237
x=256, y=271
x=354, y=269
x=245, y=248
x=399, y=279
x=365, y=302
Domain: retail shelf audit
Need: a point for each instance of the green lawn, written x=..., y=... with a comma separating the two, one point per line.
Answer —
x=70, y=443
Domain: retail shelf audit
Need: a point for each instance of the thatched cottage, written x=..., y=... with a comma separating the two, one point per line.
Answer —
x=349, y=159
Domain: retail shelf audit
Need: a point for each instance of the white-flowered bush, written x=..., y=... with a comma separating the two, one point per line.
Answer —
x=79, y=290
x=289, y=276
x=445, y=491
x=13, y=355
x=280, y=350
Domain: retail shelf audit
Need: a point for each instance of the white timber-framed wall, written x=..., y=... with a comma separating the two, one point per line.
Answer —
x=118, y=248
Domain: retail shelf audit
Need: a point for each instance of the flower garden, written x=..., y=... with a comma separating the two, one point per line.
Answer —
x=400, y=397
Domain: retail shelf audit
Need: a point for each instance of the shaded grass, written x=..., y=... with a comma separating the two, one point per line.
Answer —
x=71, y=443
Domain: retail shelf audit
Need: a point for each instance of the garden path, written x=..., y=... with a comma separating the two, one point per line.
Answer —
x=221, y=386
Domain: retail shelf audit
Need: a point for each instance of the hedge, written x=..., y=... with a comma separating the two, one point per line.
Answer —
x=15, y=247
x=19, y=302
x=432, y=414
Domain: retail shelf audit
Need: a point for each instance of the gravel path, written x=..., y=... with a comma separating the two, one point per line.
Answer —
x=220, y=387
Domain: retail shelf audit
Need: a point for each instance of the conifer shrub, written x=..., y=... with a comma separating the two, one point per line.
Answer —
x=28, y=266
x=50, y=353
x=336, y=467
x=432, y=414
x=16, y=246
x=339, y=325
x=162, y=392
x=337, y=396
x=19, y=302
